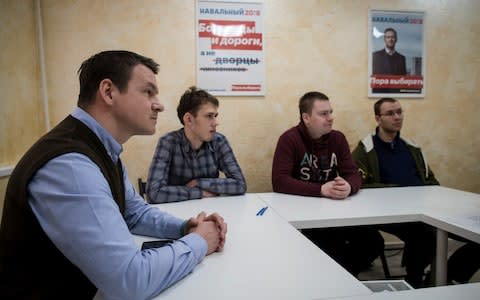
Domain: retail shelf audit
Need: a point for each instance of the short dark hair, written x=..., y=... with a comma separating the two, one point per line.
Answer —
x=191, y=101
x=115, y=65
x=392, y=30
x=378, y=104
x=306, y=102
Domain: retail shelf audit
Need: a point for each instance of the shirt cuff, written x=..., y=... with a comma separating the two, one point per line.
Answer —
x=205, y=184
x=195, y=193
x=182, y=228
x=197, y=243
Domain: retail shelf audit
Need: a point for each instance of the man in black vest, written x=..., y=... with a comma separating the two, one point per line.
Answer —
x=70, y=209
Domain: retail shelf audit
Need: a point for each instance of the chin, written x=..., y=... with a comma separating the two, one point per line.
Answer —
x=147, y=131
x=209, y=138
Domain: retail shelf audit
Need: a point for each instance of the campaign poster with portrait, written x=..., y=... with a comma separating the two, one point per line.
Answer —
x=396, y=63
x=230, y=44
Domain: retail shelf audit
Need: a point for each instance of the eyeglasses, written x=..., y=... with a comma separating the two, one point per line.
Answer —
x=392, y=113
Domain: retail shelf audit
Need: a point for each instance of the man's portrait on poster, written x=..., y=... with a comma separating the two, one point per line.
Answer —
x=396, y=60
x=388, y=61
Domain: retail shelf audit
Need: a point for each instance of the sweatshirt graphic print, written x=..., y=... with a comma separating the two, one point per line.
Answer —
x=318, y=169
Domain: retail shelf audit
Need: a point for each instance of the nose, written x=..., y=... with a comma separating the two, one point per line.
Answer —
x=157, y=106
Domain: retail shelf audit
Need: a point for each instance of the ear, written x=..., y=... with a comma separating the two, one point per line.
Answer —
x=377, y=119
x=106, y=91
x=187, y=118
x=305, y=117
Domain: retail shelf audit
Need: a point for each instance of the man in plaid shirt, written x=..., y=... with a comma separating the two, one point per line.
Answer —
x=187, y=162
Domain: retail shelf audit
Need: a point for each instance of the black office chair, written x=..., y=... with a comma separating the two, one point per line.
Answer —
x=142, y=185
x=386, y=269
x=383, y=258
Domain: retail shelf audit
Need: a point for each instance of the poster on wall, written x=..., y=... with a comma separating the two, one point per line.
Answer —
x=396, y=61
x=230, y=44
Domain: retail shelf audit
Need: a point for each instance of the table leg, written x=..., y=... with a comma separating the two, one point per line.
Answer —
x=441, y=258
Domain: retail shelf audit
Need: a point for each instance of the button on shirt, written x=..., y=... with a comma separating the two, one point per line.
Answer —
x=175, y=164
x=74, y=205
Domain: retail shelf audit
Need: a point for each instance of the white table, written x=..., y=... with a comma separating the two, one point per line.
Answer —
x=469, y=291
x=264, y=258
x=451, y=211
x=447, y=209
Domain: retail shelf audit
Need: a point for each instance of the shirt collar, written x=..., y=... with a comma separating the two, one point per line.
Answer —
x=187, y=147
x=391, y=144
x=390, y=52
x=113, y=148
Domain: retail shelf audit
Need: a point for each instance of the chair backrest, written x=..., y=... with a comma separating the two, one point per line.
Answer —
x=142, y=187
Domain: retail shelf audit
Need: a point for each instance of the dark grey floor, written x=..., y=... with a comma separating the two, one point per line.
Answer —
x=394, y=258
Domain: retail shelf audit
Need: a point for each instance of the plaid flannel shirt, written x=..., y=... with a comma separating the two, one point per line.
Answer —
x=175, y=163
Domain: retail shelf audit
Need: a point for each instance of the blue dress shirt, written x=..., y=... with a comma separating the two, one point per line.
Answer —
x=74, y=205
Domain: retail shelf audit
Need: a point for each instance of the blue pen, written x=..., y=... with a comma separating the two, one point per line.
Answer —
x=264, y=209
x=261, y=211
